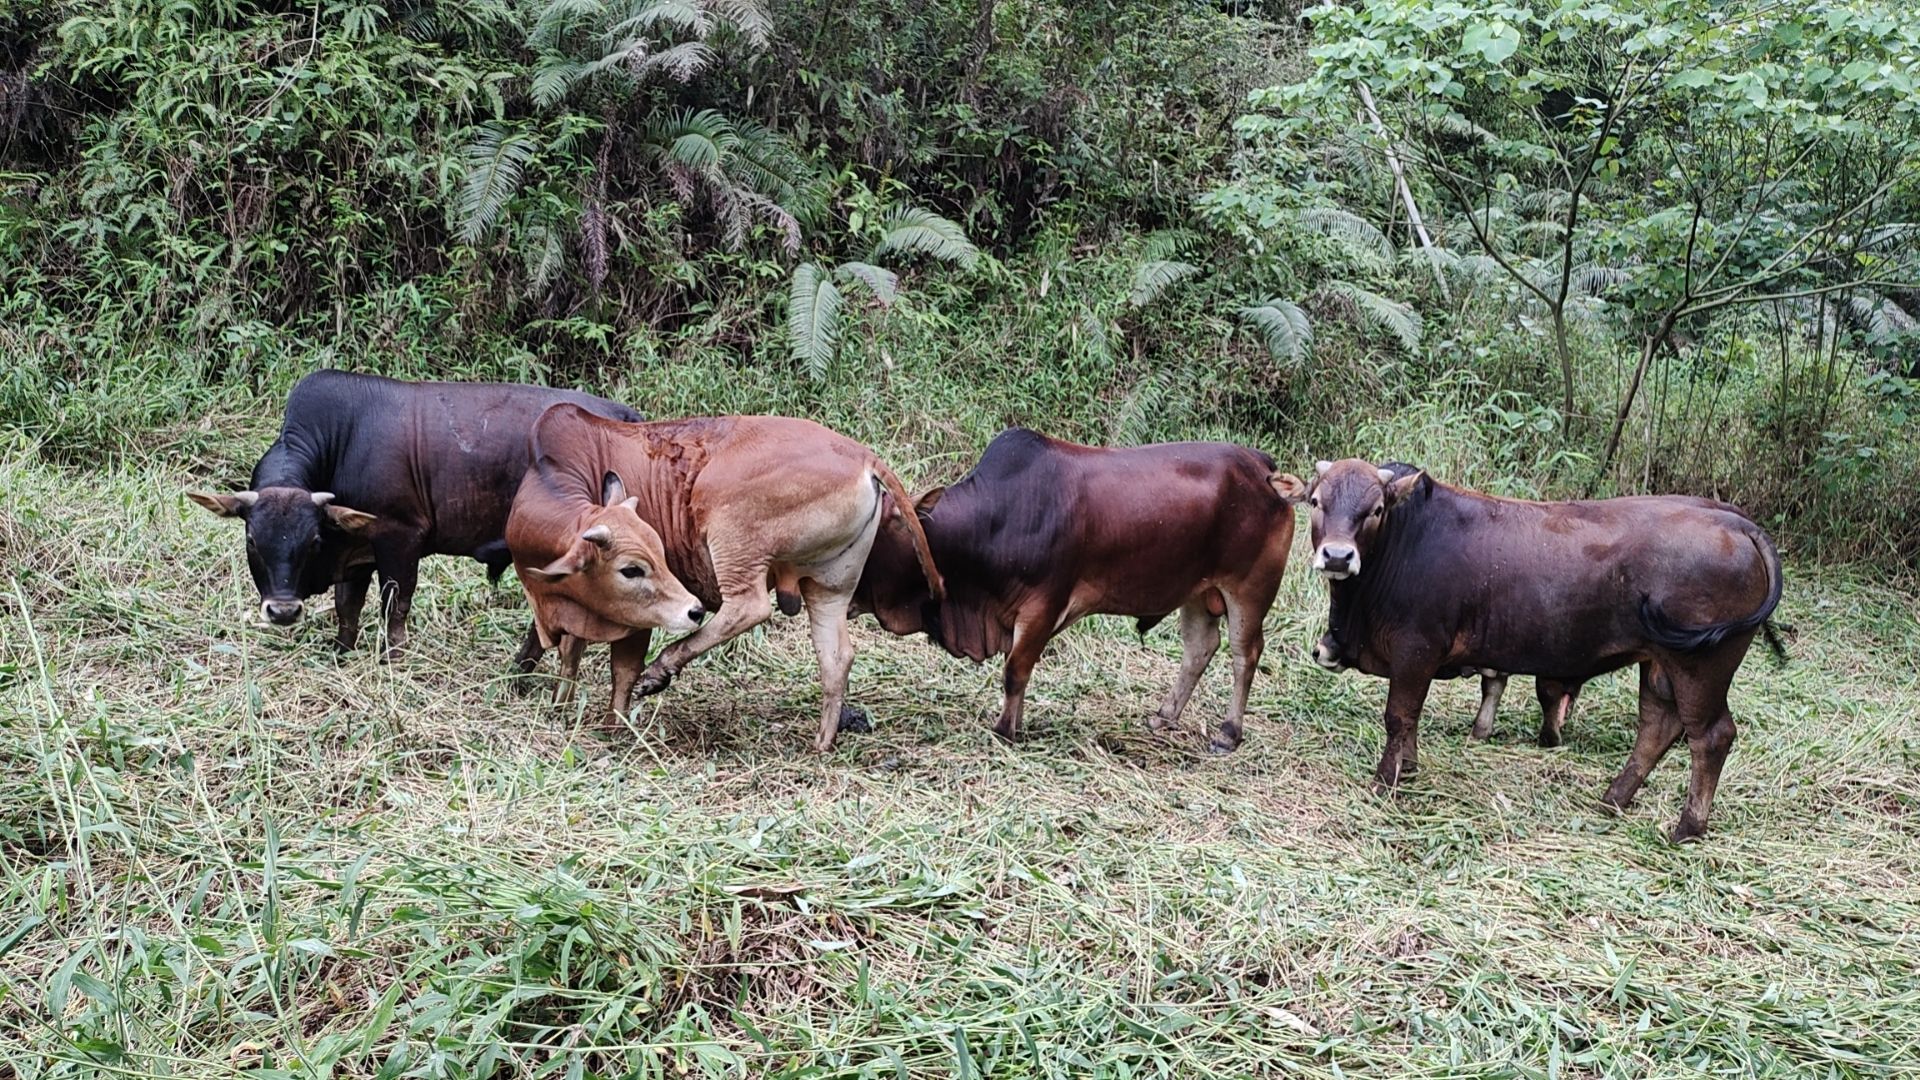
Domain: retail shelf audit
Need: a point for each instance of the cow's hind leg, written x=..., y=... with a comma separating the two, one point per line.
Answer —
x=1247, y=639
x=1491, y=687
x=349, y=598
x=1199, y=640
x=1659, y=730
x=833, y=646
x=1556, y=704
x=1702, y=699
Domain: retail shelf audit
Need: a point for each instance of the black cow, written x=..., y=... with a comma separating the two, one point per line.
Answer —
x=1432, y=578
x=374, y=474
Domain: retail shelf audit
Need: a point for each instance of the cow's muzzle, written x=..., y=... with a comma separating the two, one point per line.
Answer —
x=688, y=622
x=1337, y=561
x=1326, y=655
x=281, y=612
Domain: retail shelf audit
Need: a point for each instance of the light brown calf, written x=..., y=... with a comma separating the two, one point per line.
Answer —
x=733, y=506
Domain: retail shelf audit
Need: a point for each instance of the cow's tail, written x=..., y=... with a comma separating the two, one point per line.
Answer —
x=936, y=585
x=1663, y=631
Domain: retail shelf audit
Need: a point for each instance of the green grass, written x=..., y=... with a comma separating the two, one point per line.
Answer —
x=227, y=852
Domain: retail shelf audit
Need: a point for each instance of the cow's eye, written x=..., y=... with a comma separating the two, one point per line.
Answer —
x=1314, y=502
x=633, y=571
x=1379, y=511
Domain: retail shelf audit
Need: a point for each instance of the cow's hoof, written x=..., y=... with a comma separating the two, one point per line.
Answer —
x=1549, y=738
x=652, y=682
x=1220, y=744
x=1006, y=734
x=1689, y=830
x=855, y=719
x=1158, y=723
x=1616, y=801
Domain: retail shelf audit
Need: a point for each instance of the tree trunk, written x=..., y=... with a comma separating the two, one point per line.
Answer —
x=1647, y=349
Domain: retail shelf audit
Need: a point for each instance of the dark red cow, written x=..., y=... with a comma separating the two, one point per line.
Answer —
x=1431, y=578
x=1044, y=532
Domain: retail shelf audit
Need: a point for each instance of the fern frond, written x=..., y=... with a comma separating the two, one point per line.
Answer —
x=1352, y=229
x=680, y=63
x=1284, y=327
x=558, y=19
x=1592, y=279
x=553, y=77
x=763, y=159
x=813, y=319
x=1169, y=244
x=911, y=230
x=1155, y=276
x=1544, y=202
x=494, y=161
x=1883, y=320
x=1379, y=312
x=883, y=283
x=545, y=256
x=749, y=17
x=685, y=16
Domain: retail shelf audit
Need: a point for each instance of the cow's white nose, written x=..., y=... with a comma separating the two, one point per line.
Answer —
x=281, y=612
x=1337, y=561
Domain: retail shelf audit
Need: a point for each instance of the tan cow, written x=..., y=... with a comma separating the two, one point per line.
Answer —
x=614, y=517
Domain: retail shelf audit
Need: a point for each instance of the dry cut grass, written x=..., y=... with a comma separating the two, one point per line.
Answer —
x=226, y=852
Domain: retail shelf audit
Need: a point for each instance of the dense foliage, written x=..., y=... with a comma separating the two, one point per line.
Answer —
x=1554, y=247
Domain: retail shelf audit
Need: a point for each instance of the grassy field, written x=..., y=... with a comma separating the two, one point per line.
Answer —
x=227, y=852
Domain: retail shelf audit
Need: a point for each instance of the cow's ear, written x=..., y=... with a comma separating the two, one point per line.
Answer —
x=928, y=499
x=234, y=505
x=1398, y=490
x=347, y=519
x=1290, y=487
x=612, y=491
x=578, y=557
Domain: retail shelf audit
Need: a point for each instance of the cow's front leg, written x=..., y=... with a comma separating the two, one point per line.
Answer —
x=740, y=611
x=1030, y=637
x=629, y=656
x=528, y=657
x=570, y=648
x=1406, y=696
x=349, y=598
x=399, y=564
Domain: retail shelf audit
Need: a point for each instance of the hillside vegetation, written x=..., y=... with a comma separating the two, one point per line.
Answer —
x=1542, y=249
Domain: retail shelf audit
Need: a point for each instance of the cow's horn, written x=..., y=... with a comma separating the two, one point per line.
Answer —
x=1322, y=467
x=246, y=498
x=598, y=536
x=1386, y=476
x=322, y=498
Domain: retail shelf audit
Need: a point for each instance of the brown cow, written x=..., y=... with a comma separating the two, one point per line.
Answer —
x=731, y=505
x=1044, y=532
x=1433, y=577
